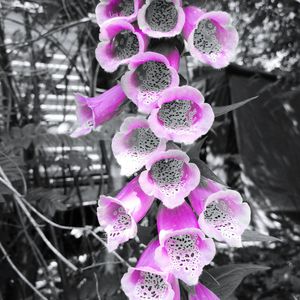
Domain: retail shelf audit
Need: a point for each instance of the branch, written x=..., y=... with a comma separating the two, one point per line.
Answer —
x=46, y=34
x=19, y=273
x=18, y=197
x=122, y=260
x=22, y=201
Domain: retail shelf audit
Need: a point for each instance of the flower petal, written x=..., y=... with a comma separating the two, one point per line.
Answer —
x=92, y=112
x=203, y=293
x=225, y=217
x=161, y=18
x=149, y=74
x=134, y=145
x=211, y=37
x=147, y=281
x=119, y=216
x=181, y=115
x=184, y=250
x=169, y=177
x=120, y=41
x=118, y=10
x=117, y=222
x=199, y=195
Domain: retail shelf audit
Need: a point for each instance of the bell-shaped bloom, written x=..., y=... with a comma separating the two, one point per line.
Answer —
x=149, y=75
x=224, y=216
x=147, y=281
x=119, y=215
x=117, y=9
x=170, y=177
x=134, y=145
x=199, y=195
x=161, y=18
x=211, y=36
x=202, y=293
x=120, y=41
x=92, y=112
x=181, y=116
x=184, y=250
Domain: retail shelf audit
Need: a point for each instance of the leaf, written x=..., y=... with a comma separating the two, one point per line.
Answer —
x=194, y=151
x=48, y=201
x=224, y=280
x=206, y=171
x=222, y=110
x=182, y=79
x=254, y=236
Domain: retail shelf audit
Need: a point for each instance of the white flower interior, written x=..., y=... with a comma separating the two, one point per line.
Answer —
x=205, y=39
x=123, y=8
x=150, y=286
x=185, y=254
x=177, y=114
x=161, y=15
x=153, y=76
x=125, y=44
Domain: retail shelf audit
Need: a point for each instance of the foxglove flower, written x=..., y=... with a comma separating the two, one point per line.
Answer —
x=119, y=215
x=120, y=41
x=184, y=250
x=117, y=9
x=147, y=281
x=224, y=216
x=161, y=18
x=92, y=112
x=181, y=116
x=199, y=195
x=169, y=177
x=149, y=74
x=211, y=36
x=134, y=145
x=203, y=293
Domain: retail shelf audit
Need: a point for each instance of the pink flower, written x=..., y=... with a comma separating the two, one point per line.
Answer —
x=120, y=41
x=181, y=116
x=161, y=18
x=147, y=281
x=118, y=10
x=184, y=250
x=169, y=177
x=199, y=195
x=119, y=215
x=149, y=74
x=203, y=293
x=134, y=145
x=92, y=112
x=211, y=36
x=223, y=216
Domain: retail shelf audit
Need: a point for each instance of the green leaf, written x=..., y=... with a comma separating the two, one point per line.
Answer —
x=222, y=110
x=194, y=150
x=254, y=236
x=224, y=280
x=206, y=171
x=47, y=200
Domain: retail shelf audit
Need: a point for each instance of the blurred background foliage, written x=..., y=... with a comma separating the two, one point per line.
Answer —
x=46, y=55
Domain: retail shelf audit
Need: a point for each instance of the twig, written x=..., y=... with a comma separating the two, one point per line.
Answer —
x=100, y=264
x=18, y=197
x=21, y=201
x=20, y=274
x=51, y=222
x=46, y=34
x=114, y=252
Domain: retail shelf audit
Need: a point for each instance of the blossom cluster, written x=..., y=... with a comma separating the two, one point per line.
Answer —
x=194, y=211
